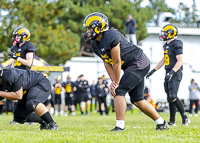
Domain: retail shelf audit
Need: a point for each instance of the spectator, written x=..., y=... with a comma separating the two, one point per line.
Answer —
x=93, y=93
x=57, y=89
x=131, y=30
x=194, y=96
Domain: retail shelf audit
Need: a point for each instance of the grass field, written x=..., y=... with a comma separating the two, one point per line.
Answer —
x=95, y=129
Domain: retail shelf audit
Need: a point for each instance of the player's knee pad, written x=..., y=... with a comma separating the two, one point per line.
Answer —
x=82, y=104
x=171, y=98
x=31, y=105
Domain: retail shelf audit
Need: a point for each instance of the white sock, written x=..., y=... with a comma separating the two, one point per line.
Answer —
x=120, y=123
x=160, y=120
x=61, y=112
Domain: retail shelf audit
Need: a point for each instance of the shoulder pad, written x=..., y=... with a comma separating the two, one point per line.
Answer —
x=30, y=47
x=112, y=33
x=178, y=44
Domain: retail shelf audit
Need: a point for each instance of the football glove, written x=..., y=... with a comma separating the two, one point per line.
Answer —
x=150, y=73
x=169, y=76
x=12, y=55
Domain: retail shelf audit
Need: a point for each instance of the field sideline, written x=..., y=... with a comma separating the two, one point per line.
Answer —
x=95, y=128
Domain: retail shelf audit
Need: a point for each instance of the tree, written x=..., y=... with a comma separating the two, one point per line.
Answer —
x=186, y=16
x=115, y=10
x=56, y=25
x=54, y=43
x=159, y=6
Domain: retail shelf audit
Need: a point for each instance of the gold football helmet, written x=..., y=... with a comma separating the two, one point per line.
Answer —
x=169, y=31
x=23, y=32
x=98, y=22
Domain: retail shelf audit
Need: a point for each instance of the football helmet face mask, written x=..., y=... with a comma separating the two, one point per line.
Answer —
x=23, y=32
x=168, y=32
x=95, y=23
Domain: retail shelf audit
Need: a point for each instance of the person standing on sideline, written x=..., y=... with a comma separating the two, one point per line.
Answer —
x=93, y=94
x=57, y=90
x=69, y=96
x=194, y=97
x=131, y=30
x=84, y=99
x=117, y=53
x=173, y=61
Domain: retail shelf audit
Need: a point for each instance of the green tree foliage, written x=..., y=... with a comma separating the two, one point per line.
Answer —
x=159, y=6
x=186, y=16
x=54, y=43
x=115, y=10
x=56, y=25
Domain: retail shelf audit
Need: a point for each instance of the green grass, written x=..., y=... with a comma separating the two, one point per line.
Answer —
x=95, y=129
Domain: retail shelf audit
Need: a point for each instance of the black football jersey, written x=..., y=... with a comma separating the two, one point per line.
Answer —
x=13, y=79
x=21, y=52
x=129, y=53
x=83, y=86
x=68, y=86
x=171, y=50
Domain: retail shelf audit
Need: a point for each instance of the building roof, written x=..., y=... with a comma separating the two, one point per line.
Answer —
x=181, y=31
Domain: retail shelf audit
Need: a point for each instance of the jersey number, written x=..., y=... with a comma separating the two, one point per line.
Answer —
x=17, y=63
x=166, y=59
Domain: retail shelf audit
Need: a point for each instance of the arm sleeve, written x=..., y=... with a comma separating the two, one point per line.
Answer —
x=178, y=47
x=12, y=49
x=115, y=40
x=190, y=87
x=134, y=22
x=17, y=84
x=31, y=48
x=126, y=23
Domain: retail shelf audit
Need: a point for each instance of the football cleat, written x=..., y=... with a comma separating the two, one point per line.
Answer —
x=43, y=126
x=186, y=121
x=163, y=126
x=117, y=129
x=172, y=123
x=52, y=126
x=13, y=123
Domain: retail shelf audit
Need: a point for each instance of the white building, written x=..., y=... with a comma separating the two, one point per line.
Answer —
x=92, y=67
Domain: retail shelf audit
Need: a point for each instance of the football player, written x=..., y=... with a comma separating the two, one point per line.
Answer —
x=23, y=51
x=57, y=88
x=31, y=89
x=117, y=53
x=102, y=91
x=83, y=88
x=173, y=61
x=69, y=95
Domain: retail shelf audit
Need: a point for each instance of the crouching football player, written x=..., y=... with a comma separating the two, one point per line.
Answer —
x=32, y=89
